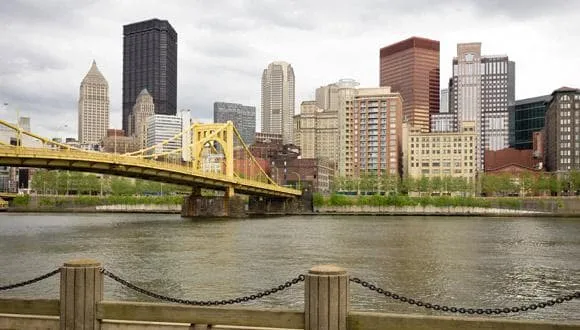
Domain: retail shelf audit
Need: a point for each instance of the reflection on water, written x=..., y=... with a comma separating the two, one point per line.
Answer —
x=469, y=262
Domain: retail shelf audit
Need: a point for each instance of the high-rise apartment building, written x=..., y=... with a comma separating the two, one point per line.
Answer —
x=144, y=108
x=562, y=131
x=93, y=107
x=526, y=117
x=150, y=62
x=376, y=131
x=243, y=117
x=481, y=90
x=316, y=132
x=411, y=68
x=278, y=88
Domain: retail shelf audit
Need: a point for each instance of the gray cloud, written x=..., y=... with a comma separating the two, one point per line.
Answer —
x=46, y=46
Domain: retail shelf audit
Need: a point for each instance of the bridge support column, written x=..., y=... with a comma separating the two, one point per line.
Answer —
x=281, y=206
x=227, y=206
x=81, y=288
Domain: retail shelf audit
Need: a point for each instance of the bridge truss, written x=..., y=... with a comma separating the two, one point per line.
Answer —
x=212, y=156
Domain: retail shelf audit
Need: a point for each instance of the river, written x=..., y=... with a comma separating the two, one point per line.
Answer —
x=461, y=261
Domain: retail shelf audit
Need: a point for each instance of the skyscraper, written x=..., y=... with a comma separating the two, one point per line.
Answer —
x=482, y=89
x=93, y=107
x=278, y=100
x=243, y=117
x=150, y=61
x=411, y=68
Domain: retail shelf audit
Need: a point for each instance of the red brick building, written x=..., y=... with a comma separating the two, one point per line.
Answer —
x=513, y=161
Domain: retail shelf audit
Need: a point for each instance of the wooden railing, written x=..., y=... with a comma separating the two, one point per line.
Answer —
x=326, y=306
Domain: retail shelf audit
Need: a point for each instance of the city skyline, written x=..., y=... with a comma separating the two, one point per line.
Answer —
x=40, y=76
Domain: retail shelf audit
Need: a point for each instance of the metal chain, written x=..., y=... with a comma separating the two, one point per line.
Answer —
x=299, y=278
x=462, y=310
x=34, y=280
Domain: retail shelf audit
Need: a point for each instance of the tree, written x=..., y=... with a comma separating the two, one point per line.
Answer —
x=424, y=185
x=526, y=183
x=122, y=187
x=407, y=185
x=575, y=181
x=555, y=185
x=436, y=184
x=489, y=184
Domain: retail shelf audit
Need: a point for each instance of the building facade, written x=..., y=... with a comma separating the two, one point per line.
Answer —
x=376, y=131
x=526, y=117
x=161, y=128
x=444, y=101
x=243, y=117
x=150, y=61
x=278, y=97
x=411, y=67
x=315, y=175
x=316, y=132
x=93, y=107
x=444, y=122
x=481, y=90
x=143, y=109
x=441, y=154
x=562, y=131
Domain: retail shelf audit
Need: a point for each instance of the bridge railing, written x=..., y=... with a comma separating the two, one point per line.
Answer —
x=326, y=306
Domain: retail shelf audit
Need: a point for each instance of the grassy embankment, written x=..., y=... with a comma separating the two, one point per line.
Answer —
x=403, y=200
x=24, y=201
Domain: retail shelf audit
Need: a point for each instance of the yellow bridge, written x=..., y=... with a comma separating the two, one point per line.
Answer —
x=211, y=156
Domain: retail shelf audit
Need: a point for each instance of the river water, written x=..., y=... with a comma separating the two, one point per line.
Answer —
x=462, y=261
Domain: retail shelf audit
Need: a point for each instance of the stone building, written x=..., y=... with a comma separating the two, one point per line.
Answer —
x=441, y=154
x=316, y=132
x=93, y=107
x=143, y=109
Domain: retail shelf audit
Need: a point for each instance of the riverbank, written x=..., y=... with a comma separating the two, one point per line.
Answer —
x=331, y=205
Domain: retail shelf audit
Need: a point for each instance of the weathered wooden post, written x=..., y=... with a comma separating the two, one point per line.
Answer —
x=81, y=287
x=326, y=298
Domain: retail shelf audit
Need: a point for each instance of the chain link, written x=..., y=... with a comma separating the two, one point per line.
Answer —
x=34, y=280
x=462, y=310
x=281, y=287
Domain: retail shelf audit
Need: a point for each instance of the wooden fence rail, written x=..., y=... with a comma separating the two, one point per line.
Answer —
x=326, y=306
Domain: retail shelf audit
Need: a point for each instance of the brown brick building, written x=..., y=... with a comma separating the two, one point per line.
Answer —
x=562, y=131
x=512, y=161
x=411, y=67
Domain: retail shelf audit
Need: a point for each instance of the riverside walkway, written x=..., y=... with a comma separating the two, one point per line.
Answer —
x=326, y=306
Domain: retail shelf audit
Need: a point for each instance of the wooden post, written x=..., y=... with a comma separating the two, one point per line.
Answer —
x=81, y=287
x=326, y=300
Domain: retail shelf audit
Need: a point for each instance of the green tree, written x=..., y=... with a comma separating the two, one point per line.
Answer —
x=489, y=184
x=122, y=187
x=575, y=181
x=424, y=185
x=436, y=184
x=555, y=185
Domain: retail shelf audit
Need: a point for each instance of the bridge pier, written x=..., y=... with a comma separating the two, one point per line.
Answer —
x=227, y=206
x=281, y=206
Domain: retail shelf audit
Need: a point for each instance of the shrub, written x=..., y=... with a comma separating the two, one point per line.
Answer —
x=21, y=200
x=318, y=199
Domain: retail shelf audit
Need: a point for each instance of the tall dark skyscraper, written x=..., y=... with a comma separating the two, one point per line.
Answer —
x=150, y=62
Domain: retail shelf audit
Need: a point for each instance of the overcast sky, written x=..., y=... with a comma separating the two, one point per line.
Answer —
x=46, y=47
